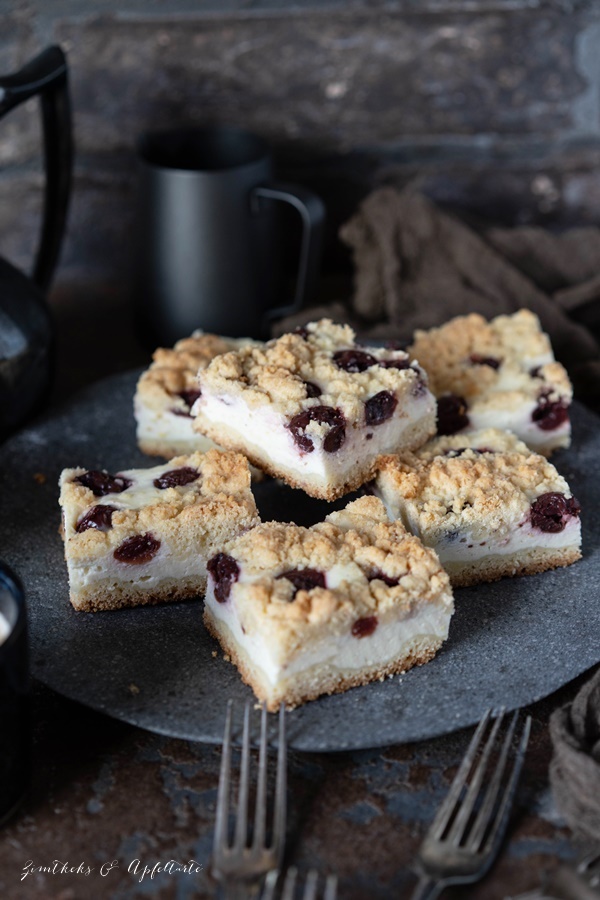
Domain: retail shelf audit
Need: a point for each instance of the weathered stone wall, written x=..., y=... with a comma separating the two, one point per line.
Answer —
x=493, y=106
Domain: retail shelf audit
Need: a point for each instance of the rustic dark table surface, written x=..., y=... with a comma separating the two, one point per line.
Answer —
x=104, y=792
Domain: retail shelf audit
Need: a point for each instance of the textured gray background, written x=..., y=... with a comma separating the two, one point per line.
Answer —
x=493, y=106
x=510, y=643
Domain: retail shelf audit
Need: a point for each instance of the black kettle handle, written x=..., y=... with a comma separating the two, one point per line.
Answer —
x=46, y=75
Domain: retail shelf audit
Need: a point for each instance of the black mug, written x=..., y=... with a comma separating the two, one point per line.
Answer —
x=15, y=736
x=209, y=253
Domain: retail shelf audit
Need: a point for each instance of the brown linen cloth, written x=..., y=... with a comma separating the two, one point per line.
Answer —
x=575, y=766
x=416, y=267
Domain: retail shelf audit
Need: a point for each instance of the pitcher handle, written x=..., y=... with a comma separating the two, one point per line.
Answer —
x=46, y=75
x=312, y=212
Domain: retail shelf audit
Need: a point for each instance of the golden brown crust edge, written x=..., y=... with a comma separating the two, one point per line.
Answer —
x=531, y=562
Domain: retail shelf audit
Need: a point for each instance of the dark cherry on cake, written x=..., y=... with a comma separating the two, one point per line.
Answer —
x=176, y=478
x=364, y=627
x=99, y=516
x=476, y=359
x=102, y=483
x=137, y=550
x=321, y=414
x=225, y=572
x=396, y=363
x=380, y=408
x=550, y=414
x=189, y=397
x=354, y=360
x=452, y=414
x=312, y=389
x=551, y=511
x=305, y=579
x=378, y=575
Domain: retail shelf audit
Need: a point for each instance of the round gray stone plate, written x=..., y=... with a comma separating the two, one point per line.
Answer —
x=510, y=643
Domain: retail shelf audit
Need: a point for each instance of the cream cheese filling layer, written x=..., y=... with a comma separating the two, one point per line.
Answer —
x=392, y=639
x=465, y=547
x=163, y=568
x=525, y=538
x=520, y=423
x=142, y=492
x=265, y=429
x=169, y=428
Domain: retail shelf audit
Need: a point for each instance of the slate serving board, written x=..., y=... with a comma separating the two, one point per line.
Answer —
x=510, y=643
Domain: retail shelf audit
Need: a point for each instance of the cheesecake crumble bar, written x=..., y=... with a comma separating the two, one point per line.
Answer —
x=167, y=391
x=315, y=409
x=309, y=611
x=498, y=374
x=144, y=536
x=487, y=505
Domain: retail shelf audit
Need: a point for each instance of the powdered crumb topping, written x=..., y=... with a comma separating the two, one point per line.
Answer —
x=219, y=494
x=473, y=492
x=496, y=364
x=279, y=373
x=350, y=548
x=175, y=370
x=482, y=441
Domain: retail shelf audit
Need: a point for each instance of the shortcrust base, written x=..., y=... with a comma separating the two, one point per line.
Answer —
x=100, y=597
x=493, y=568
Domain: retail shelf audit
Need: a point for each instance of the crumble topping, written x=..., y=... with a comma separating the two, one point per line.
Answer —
x=287, y=371
x=483, y=440
x=220, y=496
x=175, y=370
x=475, y=492
x=496, y=364
x=352, y=547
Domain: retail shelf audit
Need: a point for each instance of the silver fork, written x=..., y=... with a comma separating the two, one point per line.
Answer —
x=466, y=834
x=311, y=886
x=240, y=865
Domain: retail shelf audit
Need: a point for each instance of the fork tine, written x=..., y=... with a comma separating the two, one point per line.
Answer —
x=289, y=885
x=270, y=885
x=278, y=841
x=330, y=888
x=459, y=826
x=588, y=863
x=448, y=806
x=260, y=814
x=310, y=886
x=484, y=816
x=501, y=817
x=241, y=823
x=221, y=838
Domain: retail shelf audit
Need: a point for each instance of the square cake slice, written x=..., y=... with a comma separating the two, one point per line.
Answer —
x=485, y=504
x=315, y=409
x=144, y=535
x=498, y=374
x=310, y=611
x=167, y=391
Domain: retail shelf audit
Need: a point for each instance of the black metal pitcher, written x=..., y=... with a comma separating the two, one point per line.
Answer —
x=26, y=330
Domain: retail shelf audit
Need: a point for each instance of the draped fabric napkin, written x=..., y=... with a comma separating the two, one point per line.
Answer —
x=575, y=766
x=416, y=267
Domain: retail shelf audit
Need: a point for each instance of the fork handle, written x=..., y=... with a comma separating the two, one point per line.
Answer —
x=427, y=888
